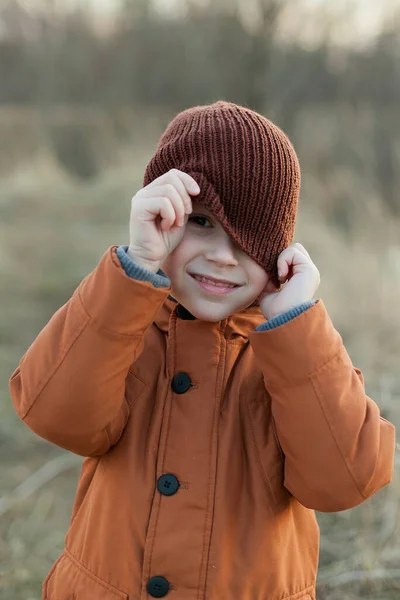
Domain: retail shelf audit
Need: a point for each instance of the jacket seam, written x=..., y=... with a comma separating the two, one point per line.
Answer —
x=255, y=445
x=144, y=385
x=108, y=440
x=100, y=327
x=86, y=571
x=162, y=446
x=299, y=595
x=331, y=430
x=84, y=497
x=49, y=575
x=45, y=380
x=275, y=432
x=273, y=423
x=295, y=382
x=212, y=484
x=107, y=427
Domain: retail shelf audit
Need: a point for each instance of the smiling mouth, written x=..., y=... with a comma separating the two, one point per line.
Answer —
x=221, y=284
x=214, y=280
x=216, y=288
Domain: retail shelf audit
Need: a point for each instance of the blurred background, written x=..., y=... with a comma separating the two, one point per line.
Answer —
x=86, y=88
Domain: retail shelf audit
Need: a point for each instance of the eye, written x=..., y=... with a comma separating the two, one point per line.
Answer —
x=199, y=220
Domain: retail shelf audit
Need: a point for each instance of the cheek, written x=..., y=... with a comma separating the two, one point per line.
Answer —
x=189, y=248
x=177, y=259
x=258, y=279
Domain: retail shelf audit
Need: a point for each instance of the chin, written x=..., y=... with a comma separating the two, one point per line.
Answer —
x=211, y=313
x=210, y=318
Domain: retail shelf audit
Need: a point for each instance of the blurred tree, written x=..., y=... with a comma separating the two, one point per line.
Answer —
x=213, y=49
x=132, y=10
x=261, y=52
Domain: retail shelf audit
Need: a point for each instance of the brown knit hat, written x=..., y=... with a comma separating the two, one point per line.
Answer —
x=247, y=170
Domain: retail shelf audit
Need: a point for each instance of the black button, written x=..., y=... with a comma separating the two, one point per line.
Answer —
x=168, y=484
x=181, y=383
x=157, y=587
x=184, y=314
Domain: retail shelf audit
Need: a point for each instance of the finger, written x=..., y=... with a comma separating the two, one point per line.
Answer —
x=167, y=213
x=190, y=185
x=284, y=260
x=172, y=177
x=295, y=255
x=287, y=259
x=301, y=248
x=183, y=189
x=168, y=190
x=164, y=208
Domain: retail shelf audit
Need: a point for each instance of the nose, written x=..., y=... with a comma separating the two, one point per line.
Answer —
x=222, y=250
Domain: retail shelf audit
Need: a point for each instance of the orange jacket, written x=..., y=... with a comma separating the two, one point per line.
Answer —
x=208, y=445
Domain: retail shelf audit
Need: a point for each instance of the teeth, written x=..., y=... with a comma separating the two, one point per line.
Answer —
x=204, y=279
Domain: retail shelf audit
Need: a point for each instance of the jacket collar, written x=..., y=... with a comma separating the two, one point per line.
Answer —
x=237, y=325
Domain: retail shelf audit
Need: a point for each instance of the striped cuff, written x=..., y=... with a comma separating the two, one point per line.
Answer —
x=285, y=317
x=135, y=271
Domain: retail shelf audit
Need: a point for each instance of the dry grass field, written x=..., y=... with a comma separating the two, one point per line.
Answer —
x=55, y=224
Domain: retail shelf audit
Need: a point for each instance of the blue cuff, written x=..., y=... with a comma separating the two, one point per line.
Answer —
x=135, y=271
x=285, y=317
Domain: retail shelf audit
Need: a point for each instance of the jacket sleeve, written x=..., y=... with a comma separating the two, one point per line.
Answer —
x=285, y=317
x=69, y=387
x=338, y=450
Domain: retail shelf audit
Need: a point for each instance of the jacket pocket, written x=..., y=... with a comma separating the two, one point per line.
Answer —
x=70, y=580
x=268, y=452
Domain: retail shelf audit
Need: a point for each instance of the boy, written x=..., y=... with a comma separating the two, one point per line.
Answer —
x=217, y=410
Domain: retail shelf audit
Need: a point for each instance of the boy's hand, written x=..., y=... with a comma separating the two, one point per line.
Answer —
x=302, y=278
x=159, y=214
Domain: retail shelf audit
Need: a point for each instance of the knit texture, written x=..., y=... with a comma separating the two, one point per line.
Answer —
x=247, y=170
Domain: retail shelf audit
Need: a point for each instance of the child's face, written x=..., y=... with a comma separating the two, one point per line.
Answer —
x=206, y=249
